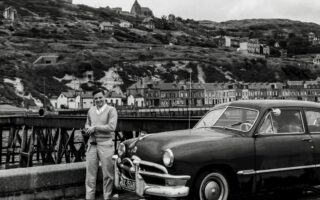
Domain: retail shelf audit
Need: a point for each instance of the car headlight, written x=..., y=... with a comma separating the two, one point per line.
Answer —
x=168, y=158
x=121, y=149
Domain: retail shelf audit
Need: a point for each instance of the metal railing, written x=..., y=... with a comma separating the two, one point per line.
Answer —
x=53, y=139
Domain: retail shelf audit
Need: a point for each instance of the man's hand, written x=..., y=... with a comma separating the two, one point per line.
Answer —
x=91, y=130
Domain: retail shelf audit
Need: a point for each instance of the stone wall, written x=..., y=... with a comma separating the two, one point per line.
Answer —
x=44, y=182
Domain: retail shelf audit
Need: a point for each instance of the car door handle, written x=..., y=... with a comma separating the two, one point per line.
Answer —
x=307, y=139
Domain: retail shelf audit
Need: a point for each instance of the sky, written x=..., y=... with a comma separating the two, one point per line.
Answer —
x=222, y=10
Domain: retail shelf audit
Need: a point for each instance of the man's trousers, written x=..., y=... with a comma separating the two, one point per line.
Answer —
x=102, y=152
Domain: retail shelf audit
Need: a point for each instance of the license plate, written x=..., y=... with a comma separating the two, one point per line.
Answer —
x=127, y=184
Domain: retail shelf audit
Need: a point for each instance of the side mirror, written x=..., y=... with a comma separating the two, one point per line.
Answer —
x=276, y=112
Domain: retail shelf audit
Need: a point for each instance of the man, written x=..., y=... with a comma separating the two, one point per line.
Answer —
x=100, y=125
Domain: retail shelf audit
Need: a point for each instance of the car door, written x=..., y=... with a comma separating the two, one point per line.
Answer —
x=313, y=126
x=284, y=151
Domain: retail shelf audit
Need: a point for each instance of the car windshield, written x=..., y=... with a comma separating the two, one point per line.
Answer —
x=241, y=119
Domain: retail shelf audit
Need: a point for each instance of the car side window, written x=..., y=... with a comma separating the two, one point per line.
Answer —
x=266, y=127
x=287, y=122
x=313, y=121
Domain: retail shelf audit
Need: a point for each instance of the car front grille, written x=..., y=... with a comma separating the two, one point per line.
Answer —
x=149, y=171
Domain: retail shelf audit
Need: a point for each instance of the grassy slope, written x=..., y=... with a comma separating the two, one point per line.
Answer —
x=82, y=48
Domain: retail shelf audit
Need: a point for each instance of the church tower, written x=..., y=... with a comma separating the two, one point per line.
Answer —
x=136, y=8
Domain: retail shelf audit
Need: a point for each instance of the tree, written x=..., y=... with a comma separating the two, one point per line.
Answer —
x=297, y=45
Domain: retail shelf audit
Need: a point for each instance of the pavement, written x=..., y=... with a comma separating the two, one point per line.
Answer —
x=121, y=196
x=132, y=196
x=307, y=195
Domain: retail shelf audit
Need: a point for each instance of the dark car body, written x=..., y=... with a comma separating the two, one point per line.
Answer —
x=248, y=159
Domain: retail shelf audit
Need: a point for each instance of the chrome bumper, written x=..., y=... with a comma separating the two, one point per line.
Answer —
x=174, y=187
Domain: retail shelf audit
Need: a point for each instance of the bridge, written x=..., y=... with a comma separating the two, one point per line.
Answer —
x=45, y=141
x=53, y=145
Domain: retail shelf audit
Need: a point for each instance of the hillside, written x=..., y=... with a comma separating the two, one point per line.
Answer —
x=120, y=57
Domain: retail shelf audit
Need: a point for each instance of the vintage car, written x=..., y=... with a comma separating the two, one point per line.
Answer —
x=241, y=147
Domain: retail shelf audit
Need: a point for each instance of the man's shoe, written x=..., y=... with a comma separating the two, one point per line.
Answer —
x=115, y=196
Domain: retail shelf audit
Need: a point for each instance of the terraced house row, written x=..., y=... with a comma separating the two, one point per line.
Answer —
x=157, y=94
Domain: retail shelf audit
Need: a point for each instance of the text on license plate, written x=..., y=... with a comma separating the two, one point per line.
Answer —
x=127, y=184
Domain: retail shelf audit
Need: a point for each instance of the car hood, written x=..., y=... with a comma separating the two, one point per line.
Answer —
x=150, y=147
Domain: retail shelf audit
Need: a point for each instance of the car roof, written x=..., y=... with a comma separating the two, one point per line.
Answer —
x=268, y=103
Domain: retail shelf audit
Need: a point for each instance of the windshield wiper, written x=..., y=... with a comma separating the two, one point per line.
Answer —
x=239, y=123
x=205, y=127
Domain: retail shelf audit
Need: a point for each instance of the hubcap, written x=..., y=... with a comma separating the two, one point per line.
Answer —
x=212, y=191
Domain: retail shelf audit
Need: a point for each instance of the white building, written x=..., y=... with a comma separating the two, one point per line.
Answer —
x=47, y=59
x=106, y=26
x=232, y=41
x=10, y=13
x=136, y=100
x=243, y=47
x=67, y=100
x=149, y=23
x=125, y=24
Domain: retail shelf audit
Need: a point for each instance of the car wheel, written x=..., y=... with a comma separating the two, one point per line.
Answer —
x=211, y=186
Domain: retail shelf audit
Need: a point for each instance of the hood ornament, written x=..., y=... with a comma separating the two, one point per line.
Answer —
x=142, y=135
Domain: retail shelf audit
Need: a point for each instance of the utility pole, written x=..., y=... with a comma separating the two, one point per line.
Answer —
x=44, y=93
x=190, y=98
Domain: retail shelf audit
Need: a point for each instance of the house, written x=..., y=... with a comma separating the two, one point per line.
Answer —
x=47, y=59
x=10, y=13
x=232, y=41
x=152, y=95
x=181, y=94
x=126, y=13
x=316, y=41
x=54, y=102
x=67, y=100
x=316, y=60
x=265, y=49
x=84, y=100
x=139, y=87
x=295, y=84
x=311, y=36
x=136, y=100
x=117, y=10
x=114, y=99
x=106, y=26
x=212, y=93
x=173, y=94
x=254, y=46
x=220, y=41
x=276, y=45
x=148, y=22
x=243, y=48
x=125, y=24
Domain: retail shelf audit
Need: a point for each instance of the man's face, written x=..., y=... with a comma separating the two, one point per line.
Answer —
x=99, y=99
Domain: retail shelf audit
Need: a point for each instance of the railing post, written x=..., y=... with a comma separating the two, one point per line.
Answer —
x=1, y=146
x=23, y=159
